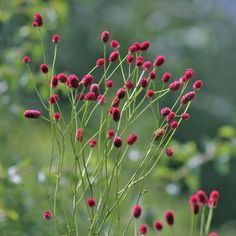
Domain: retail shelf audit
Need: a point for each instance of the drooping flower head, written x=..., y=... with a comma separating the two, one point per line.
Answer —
x=34, y=114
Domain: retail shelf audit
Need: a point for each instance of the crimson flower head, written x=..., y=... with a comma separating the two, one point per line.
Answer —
x=166, y=77
x=194, y=204
x=101, y=99
x=134, y=47
x=186, y=98
x=143, y=229
x=62, y=77
x=139, y=61
x=79, y=134
x=159, y=60
x=91, y=202
x=132, y=139
x=57, y=116
x=90, y=96
x=117, y=142
x=129, y=84
x=44, y=68
x=120, y=93
x=189, y=73
x=169, y=217
x=147, y=65
x=72, y=81
x=92, y=142
x=158, y=225
x=202, y=197
x=56, y=38
x=34, y=114
x=100, y=62
x=175, y=86
x=26, y=59
x=213, y=234
x=174, y=124
x=130, y=58
x=169, y=152
x=150, y=93
x=110, y=133
x=115, y=113
x=53, y=99
x=165, y=111
x=144, y=46
x=115, y=44
x=170, y=117
x=47, y=215
x=197, y=85
x=185, y=116
x=143, y=82
x=213, y=200
x=95, y=89
x=113, y=56
x=109, y=83
x=38, y=20
x=87, y=80
x=105, y=36
x=54, y=81
x=137, y=211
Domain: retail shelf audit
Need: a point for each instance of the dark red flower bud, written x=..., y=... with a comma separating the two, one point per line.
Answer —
x=143, y=229
x=174, y=124
x=170, y=218
x=183, y=80
x=92, y=142
x=72, y=81
x=166, y=77
x=143, y=82
x=213, y=200
x=110, y=133
x=95, y=89
x=120, y=93
x=197, y=85
x=80, y=96
x=114, y=44
x=109, y=83
x=152, y=75
x=113, y=56
x=47, y=215
x=57, y=116
x=115, y=114
x=34, y=24
x=150, y=93
x=185, y=116
x=62, y=77
x=87, y=80
x=105, y=36
x=134, y=47
x=147, y=65
x=130, y=59
x=214, y=194
x=132, y=139
x=90, y=96
x=175, y=86
x=56, y=38
x=165, y=111
x=53, y=99
x=137, y=211
x=91, y=202
x=38, y=19
x=187, y=97
x=159, y=60
x=54, y=81
x=202, y=197
x=32, y=114
x=26, y=59
x=129, y=84
x=159, y=133
x=158, y=225
x=44, y=68
x=100, y=62
x=117, y=142
x=169, y=152
x=189, y=73
x=170, y=117
x=101, y=99
x=194, y=204
x=144, y=46
x=79, y=134
x=139, y=61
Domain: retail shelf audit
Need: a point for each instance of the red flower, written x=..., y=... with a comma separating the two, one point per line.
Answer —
x=213, y=234
x=165, y=111
x=152, y=75
x=72, y=81
x=101, y=99
x=105, y=36
x=189, y=73
x=109, y=83
x=129, y=84
x=26, y=59
x=57, y=116
x=115, y=114
x=95, y=89
x=143, y=82
x=87, y=80
x=170, y=117
x=134, y=47
x=174, y=124
x=38, y=20
x=115, y=102
x=147, y=65
x=143, y=229
x=47, y=215
x=120, y=93
x=44, y=68
x=62, y=77
x=56, y=38
x=185, y=116
x=158, y=225
x=114, y=44
x=91, y=202
x=117, y=142
x=137, y=211
x=100, y=62
x=175, y=86
x=202, y=197
x=110, y=133
x=150, y=93
x=32, y=114
x=197, y=85
x=113, y=56
x=54, y=81
x=79, y=134
x=166, y=77
x=132, y=139
x=213, y=200
x=194, y=204
x=90, y=96
x=169, y=152
x=170, y=218
x=139, y=61
x=92, y=142
x=130, y=59
x=144, y=46
x=53, y=99
x=159, y=60
x=187, y=97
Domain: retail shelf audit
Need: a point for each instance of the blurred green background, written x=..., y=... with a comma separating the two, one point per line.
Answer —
x=190, y=33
